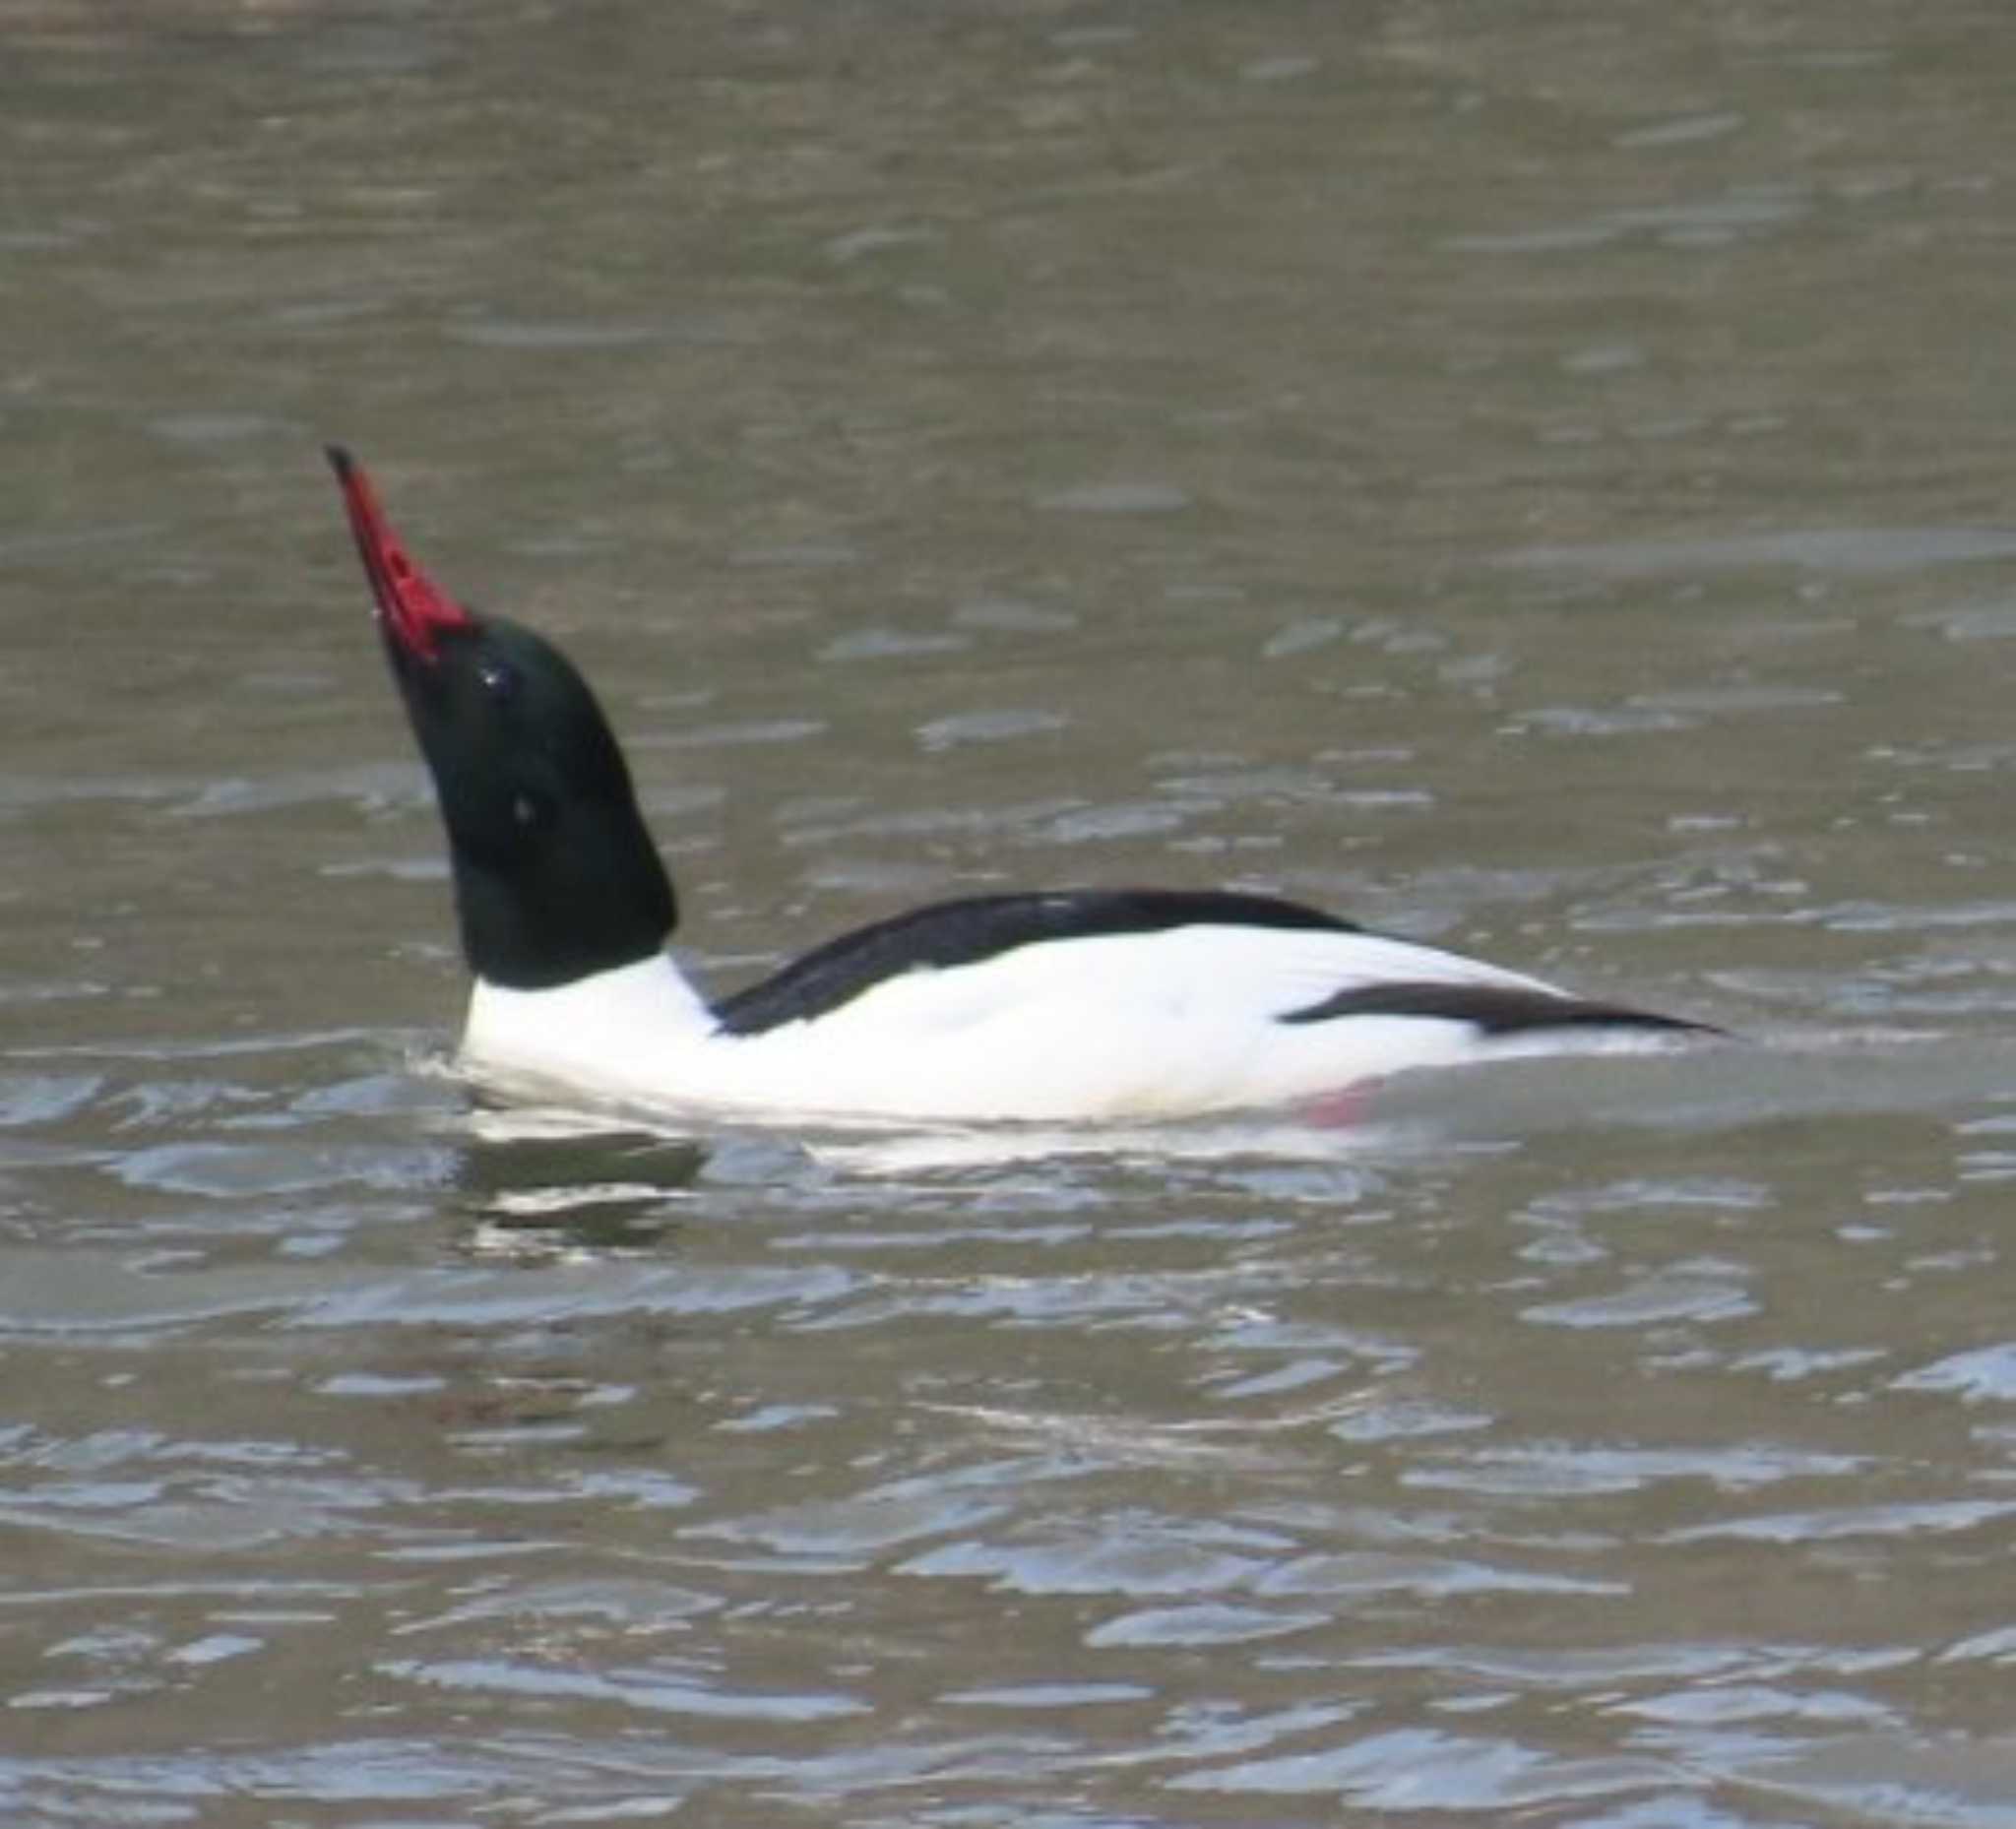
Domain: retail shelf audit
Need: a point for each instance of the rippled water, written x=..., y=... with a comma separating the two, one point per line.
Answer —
x=1534, y=477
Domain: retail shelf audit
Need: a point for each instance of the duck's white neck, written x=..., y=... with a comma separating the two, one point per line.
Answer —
x=591, y=1021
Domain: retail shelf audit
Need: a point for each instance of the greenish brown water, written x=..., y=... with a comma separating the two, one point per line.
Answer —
x=1534, y=477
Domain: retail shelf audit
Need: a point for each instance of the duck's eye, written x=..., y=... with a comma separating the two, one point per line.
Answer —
x=499, y=677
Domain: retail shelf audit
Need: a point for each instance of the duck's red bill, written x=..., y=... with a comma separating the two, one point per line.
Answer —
x=414, y=610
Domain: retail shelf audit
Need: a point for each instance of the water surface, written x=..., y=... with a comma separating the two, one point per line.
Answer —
x=1535, y=477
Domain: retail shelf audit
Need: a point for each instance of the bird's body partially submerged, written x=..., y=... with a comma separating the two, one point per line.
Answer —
x=1073, y=1005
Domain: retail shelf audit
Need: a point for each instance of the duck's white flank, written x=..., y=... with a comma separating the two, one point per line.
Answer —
x=1117, y=1027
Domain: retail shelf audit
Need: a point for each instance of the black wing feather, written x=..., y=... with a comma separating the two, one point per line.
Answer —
x=1491, y=1009
x=977, y=928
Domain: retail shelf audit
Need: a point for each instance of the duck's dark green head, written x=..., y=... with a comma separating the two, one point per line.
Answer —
x=556, y=875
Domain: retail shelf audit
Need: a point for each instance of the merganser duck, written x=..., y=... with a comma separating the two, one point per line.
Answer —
x=1101, y=1005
